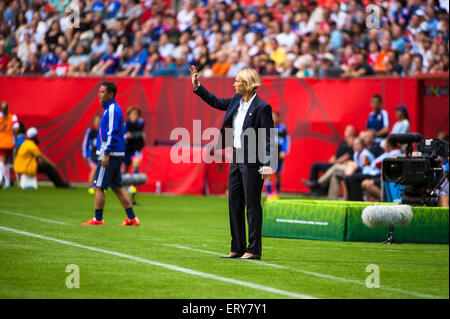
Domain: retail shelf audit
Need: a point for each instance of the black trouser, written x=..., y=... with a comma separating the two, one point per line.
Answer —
x=52, y=174
x=353, y=183
x=244, y=190
x=316, y=168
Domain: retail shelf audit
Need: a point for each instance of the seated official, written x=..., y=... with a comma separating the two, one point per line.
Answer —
x=343, y=154
x=30, y=161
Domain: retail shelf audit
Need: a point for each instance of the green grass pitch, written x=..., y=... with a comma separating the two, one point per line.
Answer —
x=175, y=254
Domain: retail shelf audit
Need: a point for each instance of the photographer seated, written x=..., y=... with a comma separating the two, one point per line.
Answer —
x=30, y=161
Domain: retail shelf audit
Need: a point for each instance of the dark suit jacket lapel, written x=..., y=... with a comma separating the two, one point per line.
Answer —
x=250, y=112
x=229, y=115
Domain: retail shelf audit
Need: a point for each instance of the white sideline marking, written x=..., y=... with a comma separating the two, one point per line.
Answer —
x=416, y=294
x=297, y=221
x=167, y=266
x=33, y=217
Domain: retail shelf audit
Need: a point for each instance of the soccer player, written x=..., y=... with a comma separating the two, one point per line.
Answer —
x=282, y=141
x=9, y=125
x=110, y=151
x=134, y=139
x=90, y=150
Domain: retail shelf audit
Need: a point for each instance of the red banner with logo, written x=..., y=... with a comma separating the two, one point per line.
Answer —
x=315, y=112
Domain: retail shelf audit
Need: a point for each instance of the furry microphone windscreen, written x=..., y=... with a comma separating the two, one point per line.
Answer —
x=387, y=215
x=134, y=179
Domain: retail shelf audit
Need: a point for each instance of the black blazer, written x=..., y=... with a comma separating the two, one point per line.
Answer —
x=259, y=115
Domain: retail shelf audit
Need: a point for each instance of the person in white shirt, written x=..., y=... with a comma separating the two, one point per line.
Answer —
x=402, y=124
x=246, y=113
x=287, y=37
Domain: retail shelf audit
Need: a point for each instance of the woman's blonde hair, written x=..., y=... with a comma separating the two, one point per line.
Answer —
x=251, y=77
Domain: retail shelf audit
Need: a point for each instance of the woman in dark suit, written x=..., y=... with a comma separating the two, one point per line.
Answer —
x=246, y=112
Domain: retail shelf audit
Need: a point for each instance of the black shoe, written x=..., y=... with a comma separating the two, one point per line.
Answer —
x=252, y=257
x=233, y=255
x=311, y=184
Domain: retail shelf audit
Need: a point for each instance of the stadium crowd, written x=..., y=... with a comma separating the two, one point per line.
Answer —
x=298, y=38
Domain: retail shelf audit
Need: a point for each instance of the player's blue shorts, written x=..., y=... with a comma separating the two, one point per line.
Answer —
x=111, y=176
x=280, y=165
x=130, y=155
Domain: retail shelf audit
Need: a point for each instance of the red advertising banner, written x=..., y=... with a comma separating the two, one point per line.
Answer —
x=315, y=112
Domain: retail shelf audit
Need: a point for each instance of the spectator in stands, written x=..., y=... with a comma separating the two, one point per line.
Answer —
x=361, y=68
x=4, y=58
x=29, y=161
x=236, y=64
x=98, y=48
x=406, y=64
x=277, y=53
x=79, y=62
x=396, y=68
x=136, y=66
x=287, y=37
x=417, y=65
x=109, y=62
x=413, y=34
x=26, y=48
x=134, y=11
x=402, y=124
x=221, y=66
x=33, y=67
x=185, y=16
x=398, y=42
x=382, y=64
x=48, y=59
x=154, y=63
x=62, y=67
x=374, y=50
x=165, y=46
x=378, y=119
x=52, y=35
x=336, y=37
x=15, y=66
x=10, y=14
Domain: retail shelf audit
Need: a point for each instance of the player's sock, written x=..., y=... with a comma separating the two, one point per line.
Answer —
x=2, y=169
x=98, y=214
x=269, y=187
x=7, y=176
x=278, y=186
x=130, y=213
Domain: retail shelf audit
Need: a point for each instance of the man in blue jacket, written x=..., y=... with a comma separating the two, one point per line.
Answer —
x=110, y=151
